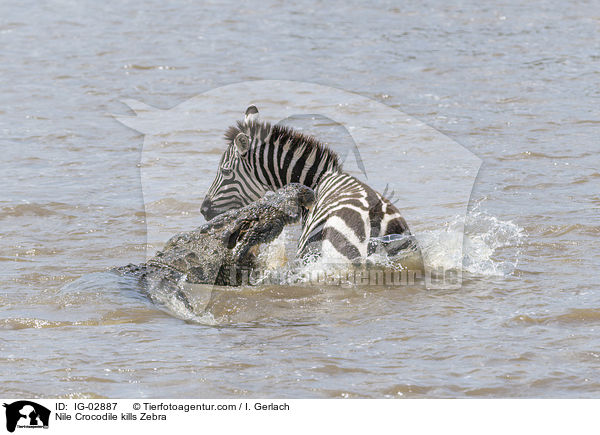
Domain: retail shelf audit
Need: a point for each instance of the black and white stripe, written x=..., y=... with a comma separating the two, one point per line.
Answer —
x=262, y=157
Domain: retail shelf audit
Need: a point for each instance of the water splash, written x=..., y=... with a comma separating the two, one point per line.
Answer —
x=481, y=250
x=481, y=245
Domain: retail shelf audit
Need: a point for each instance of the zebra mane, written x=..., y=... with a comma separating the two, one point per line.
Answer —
x=297, y=141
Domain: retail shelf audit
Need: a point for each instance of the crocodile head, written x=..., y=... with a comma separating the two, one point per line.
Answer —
x=262, y=221
x=230, y=241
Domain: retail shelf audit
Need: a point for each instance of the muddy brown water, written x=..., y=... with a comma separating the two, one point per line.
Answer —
x=516, y=84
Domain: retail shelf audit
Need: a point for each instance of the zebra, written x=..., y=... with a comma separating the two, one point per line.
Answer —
x=348, y=219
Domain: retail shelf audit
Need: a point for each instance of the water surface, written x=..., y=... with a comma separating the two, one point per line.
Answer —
x=516, y=84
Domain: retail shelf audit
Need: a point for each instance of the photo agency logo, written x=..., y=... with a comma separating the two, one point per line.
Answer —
x=389, y=179
x=25, y=414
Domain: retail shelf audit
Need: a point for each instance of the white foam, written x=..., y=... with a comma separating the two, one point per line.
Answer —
x=477, y=251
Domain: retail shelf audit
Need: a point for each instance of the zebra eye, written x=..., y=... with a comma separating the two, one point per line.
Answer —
x=226, y=170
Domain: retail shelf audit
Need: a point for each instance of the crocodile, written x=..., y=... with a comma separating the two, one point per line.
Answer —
x=219, y=251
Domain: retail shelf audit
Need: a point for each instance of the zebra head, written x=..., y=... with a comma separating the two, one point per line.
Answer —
x=235, y=184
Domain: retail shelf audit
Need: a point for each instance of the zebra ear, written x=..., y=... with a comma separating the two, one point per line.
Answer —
x=242, y=143
x=251, y=114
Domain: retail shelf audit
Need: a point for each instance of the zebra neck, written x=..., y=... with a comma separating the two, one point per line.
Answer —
x=316, y=179
x=306, y=163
